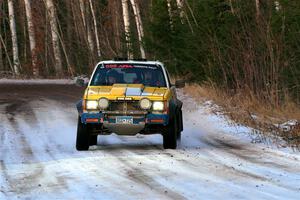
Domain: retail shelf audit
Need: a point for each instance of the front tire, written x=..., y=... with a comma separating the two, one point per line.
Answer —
x=170, y=136
x=93, y=140
x=179, y=126
x=83, y=136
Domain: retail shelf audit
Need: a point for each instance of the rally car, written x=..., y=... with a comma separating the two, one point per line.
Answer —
x=128, y=97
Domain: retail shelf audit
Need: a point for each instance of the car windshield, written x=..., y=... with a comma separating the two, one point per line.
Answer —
x=109, y=74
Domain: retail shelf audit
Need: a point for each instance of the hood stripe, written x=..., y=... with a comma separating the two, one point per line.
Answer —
x=133, y=91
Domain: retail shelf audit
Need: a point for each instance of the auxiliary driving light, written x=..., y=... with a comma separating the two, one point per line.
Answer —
x=145, y=104
x=103, y=103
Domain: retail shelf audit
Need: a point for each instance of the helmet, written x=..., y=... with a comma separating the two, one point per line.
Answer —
x=112, y=72
x=112, y=76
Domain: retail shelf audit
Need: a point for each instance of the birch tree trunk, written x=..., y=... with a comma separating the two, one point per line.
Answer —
x=170, y=13
x=257, y=5
x=180, y=8
x=55, y=37
x=86, y=26
x=182, y=14
x=95, y=29
x=179, y=3
x=1, y=59
x=81, y=4
x=12, y=24
x=127, y=27
x=32, y=39
x=139, y=26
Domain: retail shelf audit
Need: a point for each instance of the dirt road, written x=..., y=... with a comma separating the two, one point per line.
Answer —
x=38, y=159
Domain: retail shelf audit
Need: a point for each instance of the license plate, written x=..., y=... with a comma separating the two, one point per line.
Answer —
x=124, y=120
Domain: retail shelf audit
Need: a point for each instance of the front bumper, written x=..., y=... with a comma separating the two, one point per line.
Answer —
x=101, y=118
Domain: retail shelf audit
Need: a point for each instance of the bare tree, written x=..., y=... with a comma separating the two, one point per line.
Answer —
x=1, y=59
x=257, y=5
x=32, y=39
x=139, y=25
x=231, y=6
x=86, y=26
x=114, y=7
x=170, y=13
x=55, y=36
x=192, y=12
x=2, y=67
x=7, y=55
x=95, y=29
x=277, y=6
x=12, y=23
x=180, y=7
x=127, y=27
x=70, y=69
x=182, y=13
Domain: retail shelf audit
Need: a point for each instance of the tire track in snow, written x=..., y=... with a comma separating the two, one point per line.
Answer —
x=138, y=175
x=248, y=155
x=14, y=111
x=20, y=114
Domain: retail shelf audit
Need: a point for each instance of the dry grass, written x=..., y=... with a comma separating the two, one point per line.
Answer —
x=244, y=108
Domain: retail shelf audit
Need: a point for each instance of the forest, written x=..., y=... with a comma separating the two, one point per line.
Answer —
x=248, y=46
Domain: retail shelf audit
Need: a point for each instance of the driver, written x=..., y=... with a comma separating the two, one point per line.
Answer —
x=111, y=77
x=149, y=79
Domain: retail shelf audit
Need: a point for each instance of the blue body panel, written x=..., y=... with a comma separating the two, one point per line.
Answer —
x=85, y=116
x=146, y=119
x=165, y=118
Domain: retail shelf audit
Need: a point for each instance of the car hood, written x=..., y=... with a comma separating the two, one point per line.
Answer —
x=125, y=90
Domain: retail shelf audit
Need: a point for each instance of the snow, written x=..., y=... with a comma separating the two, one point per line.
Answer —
x=37, y=81
x=215, y=159
x=287, y=126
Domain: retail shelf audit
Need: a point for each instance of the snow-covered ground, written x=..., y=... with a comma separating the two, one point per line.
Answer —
x=214, y=160
x=37, y=81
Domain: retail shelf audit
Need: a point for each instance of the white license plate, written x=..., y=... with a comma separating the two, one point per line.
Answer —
x=124, y=120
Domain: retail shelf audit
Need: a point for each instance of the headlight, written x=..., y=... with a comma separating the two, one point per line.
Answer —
x=91, y=105
x=158, y=106
x=103, y=103
x=145, y=104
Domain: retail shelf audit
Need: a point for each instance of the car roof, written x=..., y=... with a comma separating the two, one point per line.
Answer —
x=130, y=62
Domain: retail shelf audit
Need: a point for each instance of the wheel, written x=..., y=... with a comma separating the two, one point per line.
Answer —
x=179, y=126
x=170, y=136
x=178, y=136
x=83, y=137
x=93, y=140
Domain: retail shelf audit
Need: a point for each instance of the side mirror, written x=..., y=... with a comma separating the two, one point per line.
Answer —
x=179, y=83
x=81, y=82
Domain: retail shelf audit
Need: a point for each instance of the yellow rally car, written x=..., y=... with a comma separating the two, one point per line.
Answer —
x=126, y=98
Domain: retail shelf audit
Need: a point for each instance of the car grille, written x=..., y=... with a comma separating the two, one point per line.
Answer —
x=124, y=106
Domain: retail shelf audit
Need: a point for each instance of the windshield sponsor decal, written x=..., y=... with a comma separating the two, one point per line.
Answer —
x=110, y=66
x=145, y=66
x=127, y=66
